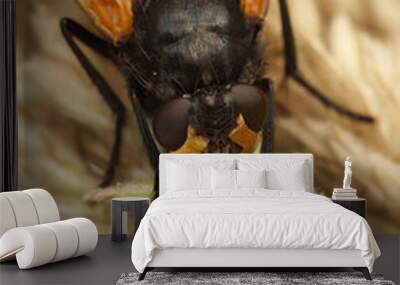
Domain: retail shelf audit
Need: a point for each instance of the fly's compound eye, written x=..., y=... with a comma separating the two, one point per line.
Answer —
x=251, y=109
x=251, y=102
x=171, y=123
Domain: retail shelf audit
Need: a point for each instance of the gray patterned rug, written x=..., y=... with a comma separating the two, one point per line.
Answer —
x=243, y=278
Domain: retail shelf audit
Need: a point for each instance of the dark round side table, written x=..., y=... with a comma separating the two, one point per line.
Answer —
x=119, y=214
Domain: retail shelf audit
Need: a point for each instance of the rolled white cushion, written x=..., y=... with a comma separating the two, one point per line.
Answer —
x=23, y=208
x=26, y=208
x=46, y=207
x=7, y=218
x=67, y=240
x=33, y=246
x=87, y=234
x=41, y=244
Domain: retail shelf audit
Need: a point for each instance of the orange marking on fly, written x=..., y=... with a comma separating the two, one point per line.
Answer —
x=113, y=17
x=255, y=8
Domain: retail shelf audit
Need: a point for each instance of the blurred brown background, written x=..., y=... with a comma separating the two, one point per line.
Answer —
x=349, y=49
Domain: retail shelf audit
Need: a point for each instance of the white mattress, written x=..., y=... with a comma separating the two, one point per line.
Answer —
x=250, y=219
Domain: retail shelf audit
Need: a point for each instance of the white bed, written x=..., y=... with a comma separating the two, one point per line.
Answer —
x=250, y=227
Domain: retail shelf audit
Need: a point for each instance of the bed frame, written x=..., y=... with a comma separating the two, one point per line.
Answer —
x=242, y=259
x=246, y=259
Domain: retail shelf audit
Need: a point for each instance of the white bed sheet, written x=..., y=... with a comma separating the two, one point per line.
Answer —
x=252, y=218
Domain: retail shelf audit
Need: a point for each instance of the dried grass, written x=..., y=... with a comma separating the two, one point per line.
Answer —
x=349, y=49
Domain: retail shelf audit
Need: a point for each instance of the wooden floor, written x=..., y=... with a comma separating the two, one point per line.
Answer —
x=110, y=260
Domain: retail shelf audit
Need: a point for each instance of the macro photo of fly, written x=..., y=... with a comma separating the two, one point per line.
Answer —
x=194, y=70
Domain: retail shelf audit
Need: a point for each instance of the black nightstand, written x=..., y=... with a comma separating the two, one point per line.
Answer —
x=358, y=206
x=119, y=208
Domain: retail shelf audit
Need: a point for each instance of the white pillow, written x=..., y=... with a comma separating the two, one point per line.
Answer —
x=181, y=177
x=281, y=174
x=251, y=178
x=222, y=163
x=293, y=179
x=223, y=179
x=180, y=173
x=226, y=179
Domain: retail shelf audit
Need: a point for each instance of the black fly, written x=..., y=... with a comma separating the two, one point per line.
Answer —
x=194, y=68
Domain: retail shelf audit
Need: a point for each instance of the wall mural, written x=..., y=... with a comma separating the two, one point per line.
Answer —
x=104, y=86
